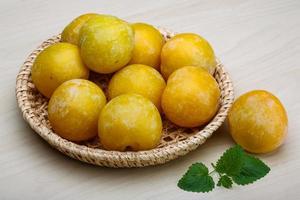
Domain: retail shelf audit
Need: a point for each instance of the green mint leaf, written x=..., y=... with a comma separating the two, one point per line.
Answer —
x=252, y=170
x=196, y=179
x=233, y=166
x=231, y=161
x=225, y=181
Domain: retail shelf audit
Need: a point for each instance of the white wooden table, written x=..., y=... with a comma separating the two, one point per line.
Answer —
x=259, y=43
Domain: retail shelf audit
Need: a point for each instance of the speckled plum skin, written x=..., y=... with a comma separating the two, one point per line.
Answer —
x=258, y=121
x=186, y=49
x=106, y=43
x=56, y=64
x=70, y=33
x=191, y=97
x=74, y=109
x=129, y=122
x=148, y=43
x=139, y=79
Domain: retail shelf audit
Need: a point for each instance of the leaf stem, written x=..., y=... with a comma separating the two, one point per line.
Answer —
x=213, y=165
x=212, y=172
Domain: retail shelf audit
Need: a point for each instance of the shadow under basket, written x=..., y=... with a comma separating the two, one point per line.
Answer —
x=175, y=141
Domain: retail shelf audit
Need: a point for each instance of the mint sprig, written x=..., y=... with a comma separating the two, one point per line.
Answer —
x=197, y=179
x=235, y=165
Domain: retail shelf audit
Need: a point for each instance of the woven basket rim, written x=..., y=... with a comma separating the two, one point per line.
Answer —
x=128, y=158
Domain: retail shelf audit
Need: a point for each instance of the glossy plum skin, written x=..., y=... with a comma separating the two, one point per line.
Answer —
x=148, y=43
x=56, y=64
x=139, y=79
x=129, y=122
x=186, y=49
x=106, y=43
x=74, y=109
x=258, y=121
x=70, y=33
x=191, y=97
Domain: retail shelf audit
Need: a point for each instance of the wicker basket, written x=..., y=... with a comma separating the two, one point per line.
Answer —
x=175, y=141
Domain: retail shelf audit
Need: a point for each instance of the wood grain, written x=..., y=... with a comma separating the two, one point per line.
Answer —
x=258, y=41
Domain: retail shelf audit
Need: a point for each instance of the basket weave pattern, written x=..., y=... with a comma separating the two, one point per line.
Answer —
x=175, y=141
